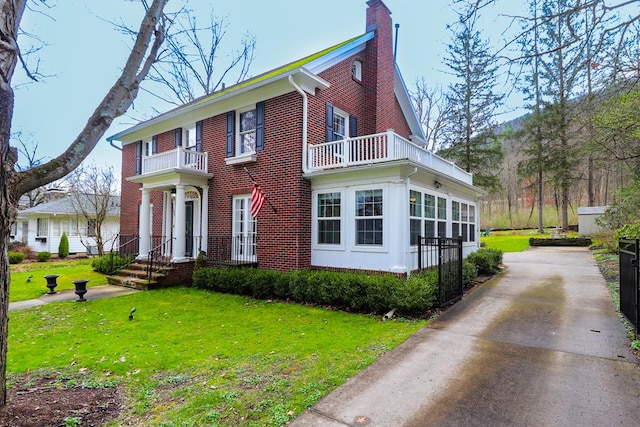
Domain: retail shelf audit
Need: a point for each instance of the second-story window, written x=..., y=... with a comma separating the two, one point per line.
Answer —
x=247, y=132
x=190, y=138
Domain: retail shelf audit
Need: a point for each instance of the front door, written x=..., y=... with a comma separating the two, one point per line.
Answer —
x=188, y=247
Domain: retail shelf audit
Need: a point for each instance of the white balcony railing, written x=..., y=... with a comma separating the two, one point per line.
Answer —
x=178, y=158
x=378, y=148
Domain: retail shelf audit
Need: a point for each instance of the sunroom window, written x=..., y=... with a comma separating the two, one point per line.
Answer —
x=329, y=215
x=369, y=217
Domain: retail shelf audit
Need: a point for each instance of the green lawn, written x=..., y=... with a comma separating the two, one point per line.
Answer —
x=23, y=288
x=512, y=240
x=211, y=359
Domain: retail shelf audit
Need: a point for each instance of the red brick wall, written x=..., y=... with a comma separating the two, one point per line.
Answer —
x=284, y=237
x=130, y=192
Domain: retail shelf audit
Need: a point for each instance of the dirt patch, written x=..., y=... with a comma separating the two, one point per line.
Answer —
x=44, y=402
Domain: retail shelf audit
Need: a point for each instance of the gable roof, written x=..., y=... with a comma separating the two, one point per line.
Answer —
x=304, y=71
x=66, y=206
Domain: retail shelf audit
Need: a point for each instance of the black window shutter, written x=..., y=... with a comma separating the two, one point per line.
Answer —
x=231, y=116
x=154, y=144
x=199, y=136
x=177, y=137
x=329, y=122
x=260, y=126
x=138, y=157
x=353, y=126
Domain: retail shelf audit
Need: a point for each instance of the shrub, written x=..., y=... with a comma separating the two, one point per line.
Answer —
x=43, y=256
x=63, y=247
x=109, y=263
x=417, y=294
x=16, y=257
x=469, y=273
x=21, y=247
x=486, y=260
x=629, y=231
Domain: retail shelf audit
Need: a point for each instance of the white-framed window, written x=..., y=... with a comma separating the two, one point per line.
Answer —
x=435, y=216
x=92, y=225
x=356, y=70
x=455, y=219
x=69, y=226
x=369, y=217
x=147, y=148
x=415, y=216
x=243, y=229
x=189, y=137
x=442, y=217
x=42, y=227
x=329, y=211
x=340, y=124
x=14, y=229
x=246, y=123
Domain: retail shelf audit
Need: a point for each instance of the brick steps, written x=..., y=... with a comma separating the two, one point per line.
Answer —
x=135, y=277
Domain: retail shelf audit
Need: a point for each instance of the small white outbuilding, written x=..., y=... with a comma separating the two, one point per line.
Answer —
x=587, y=219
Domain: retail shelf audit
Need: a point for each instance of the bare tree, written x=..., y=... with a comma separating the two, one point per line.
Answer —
x=94, y=192
x=190, y=65
x=430, y=104
x=115, y=103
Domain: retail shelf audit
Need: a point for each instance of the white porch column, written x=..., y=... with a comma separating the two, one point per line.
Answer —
x=180, y=226
x=144, y=228
x=166, y=222
x=204, y=221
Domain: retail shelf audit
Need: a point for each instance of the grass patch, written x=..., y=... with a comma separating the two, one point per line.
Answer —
x=212, y=359
x=69, y=270
x=514, y=240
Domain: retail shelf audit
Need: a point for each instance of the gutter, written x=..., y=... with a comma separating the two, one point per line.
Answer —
x=305, y=119
x=113, y=145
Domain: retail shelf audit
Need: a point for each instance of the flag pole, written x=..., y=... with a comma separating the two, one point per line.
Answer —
x=255, y=183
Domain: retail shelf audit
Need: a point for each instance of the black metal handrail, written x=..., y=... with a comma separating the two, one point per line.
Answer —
x=127, y=250
x=157, y=253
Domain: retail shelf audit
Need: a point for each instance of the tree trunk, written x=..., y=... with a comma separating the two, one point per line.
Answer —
x=114, y=104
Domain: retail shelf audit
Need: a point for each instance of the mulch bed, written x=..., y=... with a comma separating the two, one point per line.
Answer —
x=43, y=403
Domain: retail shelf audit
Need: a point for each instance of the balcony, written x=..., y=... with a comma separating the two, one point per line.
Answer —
x=178, y=159
x=379, y=148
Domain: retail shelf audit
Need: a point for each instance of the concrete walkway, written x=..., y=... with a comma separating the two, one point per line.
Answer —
x=93, y=292
x=539, y=346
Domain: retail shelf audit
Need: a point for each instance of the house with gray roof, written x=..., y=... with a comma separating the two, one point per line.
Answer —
x=42, y=226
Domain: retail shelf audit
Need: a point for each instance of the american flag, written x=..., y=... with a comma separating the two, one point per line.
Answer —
x=257, y=200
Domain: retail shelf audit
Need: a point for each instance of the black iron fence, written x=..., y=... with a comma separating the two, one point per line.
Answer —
x=225, y=251
x=445, y=254
x=630, y=281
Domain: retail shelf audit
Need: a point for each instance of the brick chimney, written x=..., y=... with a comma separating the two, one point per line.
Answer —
x=379, y=69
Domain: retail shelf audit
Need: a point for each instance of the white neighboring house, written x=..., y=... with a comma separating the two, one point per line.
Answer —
x=41, y=227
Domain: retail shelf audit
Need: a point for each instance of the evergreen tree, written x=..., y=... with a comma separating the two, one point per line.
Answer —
x=63, y=247
x=469, y=129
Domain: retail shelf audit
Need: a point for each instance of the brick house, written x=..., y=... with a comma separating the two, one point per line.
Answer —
x=335, y=144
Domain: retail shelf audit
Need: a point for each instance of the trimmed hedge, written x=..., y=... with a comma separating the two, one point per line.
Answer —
x=356, y=292
x=16, y=257
x=565, y=241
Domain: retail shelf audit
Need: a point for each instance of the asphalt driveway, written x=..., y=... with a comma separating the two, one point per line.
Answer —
x=542, y=345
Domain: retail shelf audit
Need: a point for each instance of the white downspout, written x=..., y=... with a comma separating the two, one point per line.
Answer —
x=305, y=113
x=408, y=253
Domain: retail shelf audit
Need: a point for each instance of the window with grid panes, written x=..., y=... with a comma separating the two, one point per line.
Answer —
x=415, y=216
x=368, y=217
x=329, y=218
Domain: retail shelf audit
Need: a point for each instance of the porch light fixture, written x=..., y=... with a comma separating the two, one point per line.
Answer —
x=437, y=184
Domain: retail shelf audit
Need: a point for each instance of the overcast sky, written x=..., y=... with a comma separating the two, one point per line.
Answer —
x=84, y=53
